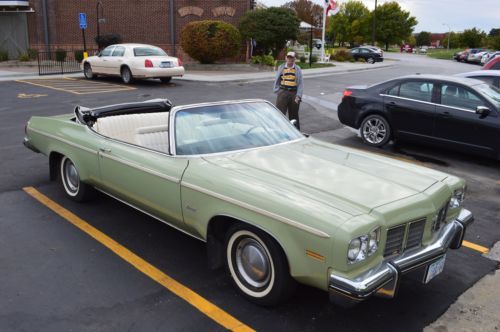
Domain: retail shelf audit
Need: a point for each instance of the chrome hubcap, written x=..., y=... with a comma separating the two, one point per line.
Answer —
x=252, y=263
x=71, y=175
x=126, y=75
x=374, y=131
x=88, y=71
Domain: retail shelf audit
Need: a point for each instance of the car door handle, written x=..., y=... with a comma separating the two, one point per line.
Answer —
x=392, y=103
x=105, y=150
x=445, y=115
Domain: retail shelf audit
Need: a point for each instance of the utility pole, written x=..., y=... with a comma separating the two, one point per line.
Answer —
x=374, y=24
x=98, y=21
x=449, y=35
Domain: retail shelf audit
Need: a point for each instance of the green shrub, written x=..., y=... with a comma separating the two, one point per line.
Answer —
x=314, y=59
x=209, y=41
x=104, y=41
x=32, y=53
x=362, y=60
x=78, y=55
x=267, y=60
x=61, y=55
x=23, y=57
x=341, y=55
x=4, y=55
x=303, y=59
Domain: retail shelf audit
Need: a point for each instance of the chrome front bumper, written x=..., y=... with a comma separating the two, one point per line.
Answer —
x=383, y=280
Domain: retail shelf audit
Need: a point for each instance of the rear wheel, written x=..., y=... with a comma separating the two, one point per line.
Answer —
x=165, y=80
x=375, y=130
x=70, y=180
x=370, y=60
x=126, y=75
x=87, y=71
x=258, y=266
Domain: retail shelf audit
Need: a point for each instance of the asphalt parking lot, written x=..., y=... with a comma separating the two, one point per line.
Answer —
x=57, y=276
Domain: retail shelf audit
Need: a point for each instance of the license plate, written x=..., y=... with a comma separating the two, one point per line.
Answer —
x=434, y=269
x=166, y=65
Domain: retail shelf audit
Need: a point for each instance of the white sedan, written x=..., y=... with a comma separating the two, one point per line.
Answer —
x=131, y=61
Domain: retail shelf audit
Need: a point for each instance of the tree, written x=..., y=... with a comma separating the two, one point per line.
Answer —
x=454, y=40
x=307, y=11
x=209, y=41
x=270, y=28
x=423, y=38
x=472, y=37
x=494, y=42
x=494, y=32
x=351, y=24
x=393, y=24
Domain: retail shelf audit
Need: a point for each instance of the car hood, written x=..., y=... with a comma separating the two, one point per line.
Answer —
x=350, y=180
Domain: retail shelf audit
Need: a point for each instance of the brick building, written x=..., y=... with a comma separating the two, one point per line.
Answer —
x=55, y=24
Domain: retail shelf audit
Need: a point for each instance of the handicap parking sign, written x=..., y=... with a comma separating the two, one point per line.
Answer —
x=83, y=20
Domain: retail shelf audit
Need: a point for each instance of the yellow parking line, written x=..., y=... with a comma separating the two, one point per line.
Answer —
x=197, y=301
x=476, y=247
x=78, y=87
x=44, y=86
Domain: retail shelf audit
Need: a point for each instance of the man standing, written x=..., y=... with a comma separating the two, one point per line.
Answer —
x=288, y=84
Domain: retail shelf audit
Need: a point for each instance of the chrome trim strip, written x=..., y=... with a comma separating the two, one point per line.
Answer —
x=370, y=281
x=149, y=214
x=263, y=212
x=141, y=168
x=429, y=103
x=62, y=140
x=404, y=98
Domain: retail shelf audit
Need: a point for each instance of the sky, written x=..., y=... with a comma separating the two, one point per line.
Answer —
x=436, y=15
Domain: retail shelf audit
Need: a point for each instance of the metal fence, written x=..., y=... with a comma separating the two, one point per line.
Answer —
x=60, y=62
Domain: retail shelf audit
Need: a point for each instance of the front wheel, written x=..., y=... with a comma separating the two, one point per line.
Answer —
x=258, y=266
x=126, y=75
x=87, y=71
x=370, y=60
x=70, y=180
x=375, y=130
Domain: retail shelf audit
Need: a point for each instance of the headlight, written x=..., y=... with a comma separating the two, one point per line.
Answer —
x=363, y=246
x=457, y=198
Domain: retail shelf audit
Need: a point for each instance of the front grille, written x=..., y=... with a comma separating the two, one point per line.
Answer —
x=394, y=243
x=415, y=233
x=412, y=231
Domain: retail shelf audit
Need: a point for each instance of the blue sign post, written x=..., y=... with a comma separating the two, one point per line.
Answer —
x=82, y=18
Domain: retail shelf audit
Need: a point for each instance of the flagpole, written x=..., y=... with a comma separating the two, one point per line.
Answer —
x=323, y=33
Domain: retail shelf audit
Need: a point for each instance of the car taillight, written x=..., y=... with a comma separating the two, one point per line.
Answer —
x=347, y=93
x=179, y=61
x=148, y=63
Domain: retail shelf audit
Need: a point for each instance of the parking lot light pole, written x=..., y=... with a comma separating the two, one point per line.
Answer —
x=99, y=4
x=449, y=35
x=374, y=23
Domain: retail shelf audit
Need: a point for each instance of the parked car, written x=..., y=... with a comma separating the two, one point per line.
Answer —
x=368, y=54
x=469, y=52
x=458, y=56
x=488, y=56
x=405, y=48
x=491, y=77
x=133, y=61
x=454, y=112
x=493, y=64
x=238, y=175
x=476, y=57
x=423, y=49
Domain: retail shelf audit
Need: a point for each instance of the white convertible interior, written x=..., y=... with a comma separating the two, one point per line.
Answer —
x=146, y=129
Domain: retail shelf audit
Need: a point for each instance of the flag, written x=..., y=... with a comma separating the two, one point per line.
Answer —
x=332, y=7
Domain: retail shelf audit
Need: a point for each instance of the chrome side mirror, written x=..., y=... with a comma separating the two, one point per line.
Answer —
x=483, y=111
x=294, y=122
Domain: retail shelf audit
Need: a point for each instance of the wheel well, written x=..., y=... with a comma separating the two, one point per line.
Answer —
x=54, y=159
x=216, y=233
x=124, y=66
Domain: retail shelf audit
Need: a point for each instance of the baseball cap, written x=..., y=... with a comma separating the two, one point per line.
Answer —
x=292, y=54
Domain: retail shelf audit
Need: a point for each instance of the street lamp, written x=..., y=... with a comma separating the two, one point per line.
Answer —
x=374, y=24
x=449, y=35
x=98, y=20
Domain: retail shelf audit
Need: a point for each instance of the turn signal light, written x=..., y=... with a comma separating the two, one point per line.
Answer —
x=347, y=93
x=148, y=63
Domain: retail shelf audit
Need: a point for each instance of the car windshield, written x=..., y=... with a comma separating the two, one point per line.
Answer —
x=492, y=92
x=230, y=127
x=148, y=51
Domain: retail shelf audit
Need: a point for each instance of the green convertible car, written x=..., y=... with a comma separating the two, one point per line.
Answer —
x=274, y=206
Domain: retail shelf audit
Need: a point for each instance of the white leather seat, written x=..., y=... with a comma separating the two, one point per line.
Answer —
x=153, y=137
x=123, y=127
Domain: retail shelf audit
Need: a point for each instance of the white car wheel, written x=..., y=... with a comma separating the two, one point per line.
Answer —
x=70, y=179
